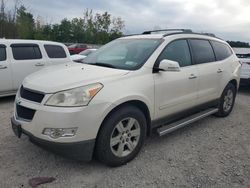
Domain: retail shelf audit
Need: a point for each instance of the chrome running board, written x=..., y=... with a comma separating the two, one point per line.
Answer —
x=186, y=121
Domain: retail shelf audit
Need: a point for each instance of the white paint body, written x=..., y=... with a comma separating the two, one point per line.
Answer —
x=164, y=93
x=14, y=71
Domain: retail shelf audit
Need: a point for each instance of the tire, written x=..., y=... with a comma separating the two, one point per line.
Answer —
x=227, y=100
x=124, y=129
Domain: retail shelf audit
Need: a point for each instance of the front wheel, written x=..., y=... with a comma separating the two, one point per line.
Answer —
x=227, y=100
x=121, y=136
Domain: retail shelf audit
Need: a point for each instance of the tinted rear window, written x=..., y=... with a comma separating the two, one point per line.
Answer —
x=2, y=53
x=26, y=52
x=202, y=50
x=55, y=51
x=222, y=51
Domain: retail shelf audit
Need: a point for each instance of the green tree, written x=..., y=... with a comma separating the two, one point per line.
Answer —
x=2, y=19
x=25, y=23
x=78, y=31
x=118, y=26
x=92, y=27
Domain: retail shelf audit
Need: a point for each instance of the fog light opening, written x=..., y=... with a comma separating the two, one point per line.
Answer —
x=59, y=132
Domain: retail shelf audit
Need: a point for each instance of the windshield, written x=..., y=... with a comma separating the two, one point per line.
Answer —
x=128, y=54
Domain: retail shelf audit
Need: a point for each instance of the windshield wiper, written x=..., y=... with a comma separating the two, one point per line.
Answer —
x=103, y=65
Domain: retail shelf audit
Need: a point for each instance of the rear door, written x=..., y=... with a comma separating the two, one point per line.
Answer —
x=226, y=61
x=176, y=91
x=6, y=85
x=208, y=68
x=56, y=54
x=27, y=58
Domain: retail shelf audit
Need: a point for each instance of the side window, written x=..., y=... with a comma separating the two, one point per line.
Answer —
x=222, y=51
x=55, y=51
x=177, y=51
x=202, y=50
x=2, y=53
x=26, y=51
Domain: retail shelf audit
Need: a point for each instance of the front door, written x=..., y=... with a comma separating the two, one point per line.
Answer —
x=27, y=59
x=175, y=91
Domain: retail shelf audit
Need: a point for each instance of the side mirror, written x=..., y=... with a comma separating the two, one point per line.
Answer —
x=168, y=65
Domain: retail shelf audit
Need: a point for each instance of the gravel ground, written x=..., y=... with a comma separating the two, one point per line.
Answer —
x=214, y=152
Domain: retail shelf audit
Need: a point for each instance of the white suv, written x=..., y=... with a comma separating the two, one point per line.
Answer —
x=126, y=90
x=19, y=58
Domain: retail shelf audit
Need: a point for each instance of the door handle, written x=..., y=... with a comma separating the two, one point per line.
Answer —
x=39, y=64
x=3, y=67
x=192, y=76
x=219, y=71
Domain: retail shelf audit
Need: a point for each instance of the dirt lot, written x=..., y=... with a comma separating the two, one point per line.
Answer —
x=210, y=153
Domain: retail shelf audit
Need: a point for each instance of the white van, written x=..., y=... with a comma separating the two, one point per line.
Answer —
x=19, y=58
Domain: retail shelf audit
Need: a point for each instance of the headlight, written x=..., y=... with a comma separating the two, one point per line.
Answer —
x=80, y=96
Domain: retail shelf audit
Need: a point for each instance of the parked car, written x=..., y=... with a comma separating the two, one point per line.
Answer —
x=77, y=48
x=126, y=90
x=19, y=58
x=244, y=55
x=79, y=57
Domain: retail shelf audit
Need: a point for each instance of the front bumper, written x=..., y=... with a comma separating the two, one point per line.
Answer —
x=81, y=151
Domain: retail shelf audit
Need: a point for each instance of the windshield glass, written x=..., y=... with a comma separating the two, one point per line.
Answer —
x=128, y=54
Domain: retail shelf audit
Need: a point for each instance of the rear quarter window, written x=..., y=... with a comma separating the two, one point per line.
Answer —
x=26, y=51
x=2, y=53
x=55, y=51
x=222, y=51
x=202, y=50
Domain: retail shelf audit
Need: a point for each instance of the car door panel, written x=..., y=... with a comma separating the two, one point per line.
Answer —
x=208, y=82
x=175, y=91
x=23, y=67
x=207, y=67
x=6, y=84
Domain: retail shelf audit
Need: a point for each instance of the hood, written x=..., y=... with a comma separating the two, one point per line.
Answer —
x=61, y=77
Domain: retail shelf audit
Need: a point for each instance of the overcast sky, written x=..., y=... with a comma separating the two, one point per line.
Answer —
x=228, y=19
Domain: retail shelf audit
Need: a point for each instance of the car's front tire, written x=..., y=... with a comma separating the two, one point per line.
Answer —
x=227, y=100
x=121, y=136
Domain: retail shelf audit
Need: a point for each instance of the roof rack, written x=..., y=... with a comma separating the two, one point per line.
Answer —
x=167, y=31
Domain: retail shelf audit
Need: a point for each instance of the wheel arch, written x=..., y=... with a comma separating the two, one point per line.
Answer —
x=136, y=103
x=234, y=82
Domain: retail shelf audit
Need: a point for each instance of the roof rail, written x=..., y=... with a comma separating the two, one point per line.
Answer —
x=177, y=31
x=167, y=30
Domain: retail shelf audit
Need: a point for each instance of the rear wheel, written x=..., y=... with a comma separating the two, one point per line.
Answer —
x=121, y=136
x=227, y=100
